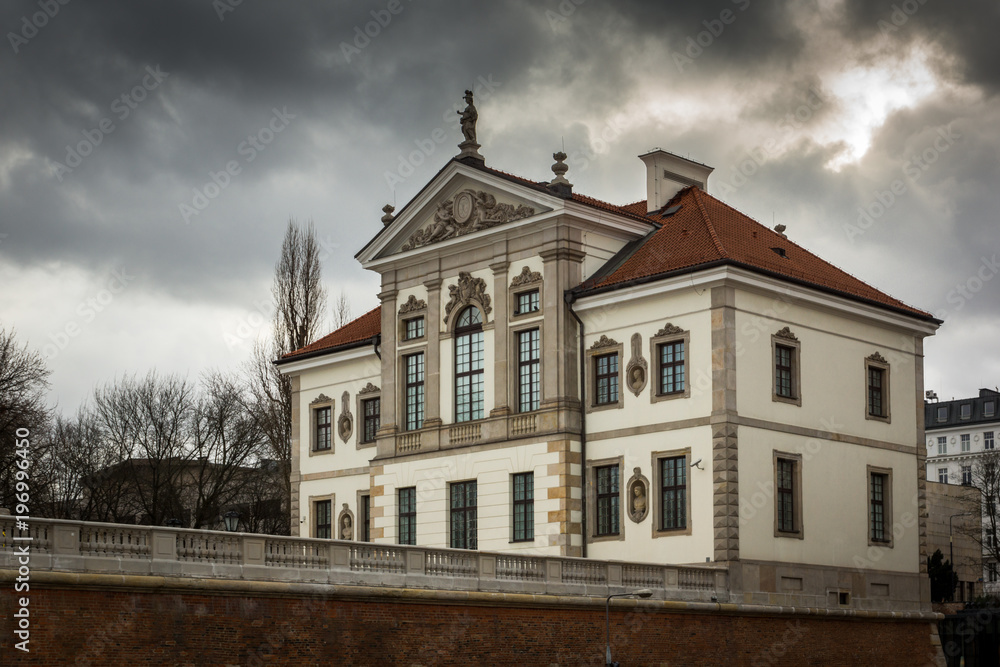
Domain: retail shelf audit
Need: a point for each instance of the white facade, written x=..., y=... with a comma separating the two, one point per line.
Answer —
x=784, y=484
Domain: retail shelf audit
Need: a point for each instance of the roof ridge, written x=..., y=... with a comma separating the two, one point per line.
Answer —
x=708, y=222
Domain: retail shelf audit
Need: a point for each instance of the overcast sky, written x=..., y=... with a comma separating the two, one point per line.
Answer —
x=872, y=133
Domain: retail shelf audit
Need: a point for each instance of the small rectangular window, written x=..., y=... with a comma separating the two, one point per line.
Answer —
x=672, y=368
x=608, y=500
x=966, y=442
x=408, y=515
x=943, y=475
x=965, y=411
x=323, y=428
x=606, y=375
x=323, y=519
x=523, y=506
x=877, y=514
x=463, y=515
x=988, y=440
x=673, y=493
x=527, y=302
x=942, y=445
x=966, y=475
x=786, y=496
x=942, y=413
x=372, y=409
x=989, y=408
x=414, y=328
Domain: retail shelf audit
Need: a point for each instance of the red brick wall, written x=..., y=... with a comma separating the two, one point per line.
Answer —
x=89, y=627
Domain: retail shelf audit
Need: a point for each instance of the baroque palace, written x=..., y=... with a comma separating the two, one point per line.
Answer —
x=667, y=381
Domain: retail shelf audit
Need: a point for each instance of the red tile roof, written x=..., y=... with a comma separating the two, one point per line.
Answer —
x=705, y=230
x=351, y=334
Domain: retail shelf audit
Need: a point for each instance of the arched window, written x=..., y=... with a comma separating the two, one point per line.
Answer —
x=469, y=365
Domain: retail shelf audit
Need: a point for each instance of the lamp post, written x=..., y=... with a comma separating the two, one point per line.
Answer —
x=641, y=593
x=232, y=521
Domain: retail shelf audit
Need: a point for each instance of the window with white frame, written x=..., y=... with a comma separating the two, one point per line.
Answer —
x=988, y=440
x=942, y=445
x=966, y=442
x=943, y=475
x=966, y=475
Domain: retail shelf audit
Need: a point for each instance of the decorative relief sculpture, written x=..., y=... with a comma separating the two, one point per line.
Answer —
x=786, y=333
x=467, y=290
x=526, y=277
x=346, y=523
x=877, y=358
x=369, y=389
x=467, y=212
x=638, y=496
x=635, y=372
x=603, y=341
x=669, y=330
x=322, y=398
x=412, y=305
x=345, y=425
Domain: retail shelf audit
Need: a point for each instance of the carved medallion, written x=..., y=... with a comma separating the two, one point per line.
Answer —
x=603, y=342
x=412, y=305
x=467, y=212
x=345, y=425
x=638, y=496
x=526, y=277
x=635, y=372
x=669, y=330
x=467, y=290
x=786, y=333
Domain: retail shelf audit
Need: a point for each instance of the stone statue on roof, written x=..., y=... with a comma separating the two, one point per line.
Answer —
x=469, y=118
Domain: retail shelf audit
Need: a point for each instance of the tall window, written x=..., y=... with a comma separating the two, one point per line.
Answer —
x=414, y=328
x=672, y=367
x=876, y=392
x=408, y=515
x=783, y=371
x=463, y=515
x=608, y=500
x=371, y=409
x=673, y=493
x=943, y=475
x=469, y=365
x=606, y=378
x=365, y=509
x=415, y=391
x=323, y=519
x=966, y=475
x=988, y=440
x=527, y=302
x=528, y=364
x=966, y=444
x=786, y=495
x=323, y=428
x=524, y=506
x=991, y=568
x=942, y=445
x=877, y=508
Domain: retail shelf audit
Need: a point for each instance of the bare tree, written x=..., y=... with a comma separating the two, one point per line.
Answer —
x=23, y=382
x=986, y=481
x=341, y=311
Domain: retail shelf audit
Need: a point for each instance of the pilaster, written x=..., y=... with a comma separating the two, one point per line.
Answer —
x=725, y=458
x=501, y=315
x=385, y=438
x=295, y=479
x=432, y=363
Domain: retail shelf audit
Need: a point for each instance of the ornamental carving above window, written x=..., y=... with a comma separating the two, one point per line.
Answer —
x=786, y=333
x=322, y=398
x=412, y=305
x=668, y=330
x=467, y=212
x=526, y=277
x=369, y=389
x=878, y=358
x=603, y=342
x=467, y=290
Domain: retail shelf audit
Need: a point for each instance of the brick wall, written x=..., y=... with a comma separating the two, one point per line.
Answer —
x=99, y=627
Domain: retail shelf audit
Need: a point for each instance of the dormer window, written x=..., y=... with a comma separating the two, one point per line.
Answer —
x=527, y=302
x=989, y=408
x=942, y=413
x=966, y=411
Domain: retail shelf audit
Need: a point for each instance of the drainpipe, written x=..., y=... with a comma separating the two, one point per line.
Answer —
x=570, y=298
x=376, y=342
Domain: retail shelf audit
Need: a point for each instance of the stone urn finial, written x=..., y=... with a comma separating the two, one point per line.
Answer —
x=559, y=184
x=388, y=217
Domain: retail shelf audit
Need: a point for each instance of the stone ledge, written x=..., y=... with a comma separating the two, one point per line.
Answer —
x=138, y=583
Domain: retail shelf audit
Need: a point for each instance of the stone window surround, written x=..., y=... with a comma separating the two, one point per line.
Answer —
x=591, y=378
x=799, y=532
x=360, y=399
x=886, y=506
x=313, y=500
x=513, y=356
x=313, y=407
x=878, y=362
x=795, y=345
x=654, y=354
x=513, y=290
x=403, y=319
x=657, y=488
x=592, y=466
x=358, y=532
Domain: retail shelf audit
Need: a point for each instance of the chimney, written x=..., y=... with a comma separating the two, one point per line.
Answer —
x=667, y=173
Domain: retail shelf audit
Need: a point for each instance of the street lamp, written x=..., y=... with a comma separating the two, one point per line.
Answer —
x=232, y=521
x=641, y=593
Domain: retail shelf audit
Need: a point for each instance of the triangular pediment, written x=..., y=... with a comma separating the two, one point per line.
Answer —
x=458, y=203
